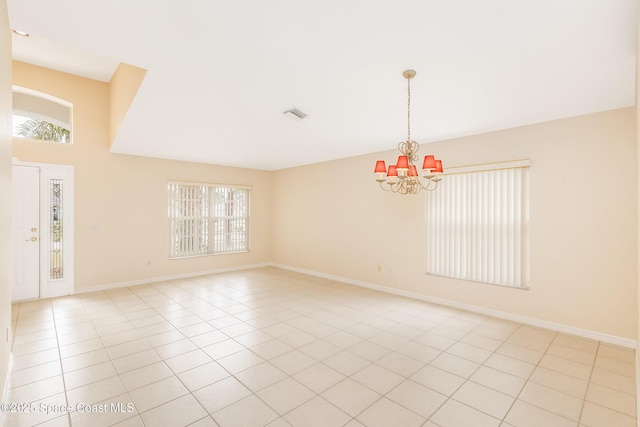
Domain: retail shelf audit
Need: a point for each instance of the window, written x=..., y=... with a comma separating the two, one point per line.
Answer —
x=207, y=219
x=477, y=225
x=40, y=116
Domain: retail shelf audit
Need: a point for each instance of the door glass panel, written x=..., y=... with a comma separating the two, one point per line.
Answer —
x=55, y=229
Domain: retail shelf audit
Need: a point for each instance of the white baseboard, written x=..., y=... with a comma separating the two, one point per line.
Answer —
x=128, y=283
x=585, y=333
x=532, y=321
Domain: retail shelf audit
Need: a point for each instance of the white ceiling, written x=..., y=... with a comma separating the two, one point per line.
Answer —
x=220, y=73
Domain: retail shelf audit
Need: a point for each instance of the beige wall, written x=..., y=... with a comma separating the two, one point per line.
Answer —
x=5, y=193
x=121, y=227
x=333, y=218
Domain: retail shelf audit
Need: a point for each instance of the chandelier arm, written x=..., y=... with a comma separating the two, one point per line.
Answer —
x=409, y=187
x=386, y=189
x=401, y=187
x=424, y=187
x=428, y=186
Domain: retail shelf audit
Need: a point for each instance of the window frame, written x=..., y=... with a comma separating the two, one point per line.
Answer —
x=30, y=114
x=204, y=218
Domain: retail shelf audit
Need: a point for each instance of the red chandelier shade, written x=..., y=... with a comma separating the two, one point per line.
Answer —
x=380, y=167
x=429, y=162
x=403, y=162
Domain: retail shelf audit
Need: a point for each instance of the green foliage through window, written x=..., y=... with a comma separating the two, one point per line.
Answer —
x=43, y=130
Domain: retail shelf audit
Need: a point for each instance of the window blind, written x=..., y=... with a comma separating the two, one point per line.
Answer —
x=207, y=219
x=477, y=225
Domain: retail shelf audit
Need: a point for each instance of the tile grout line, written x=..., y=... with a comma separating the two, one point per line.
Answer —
x=469, y=378
x=118, y=374
x=460, y=386
x=213, y=359
x=528, y=380
x=64, y=383
x=586, y=391
x=189, y=392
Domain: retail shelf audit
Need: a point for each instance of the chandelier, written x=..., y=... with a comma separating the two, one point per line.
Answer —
x=403, y=177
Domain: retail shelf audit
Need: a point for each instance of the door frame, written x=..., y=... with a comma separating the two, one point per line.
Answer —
x=66, y=286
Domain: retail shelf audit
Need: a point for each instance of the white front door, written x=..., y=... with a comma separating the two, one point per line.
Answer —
x=43, y=232
x=26, y=232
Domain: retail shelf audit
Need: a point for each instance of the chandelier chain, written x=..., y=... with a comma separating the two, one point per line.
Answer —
x=408, y=110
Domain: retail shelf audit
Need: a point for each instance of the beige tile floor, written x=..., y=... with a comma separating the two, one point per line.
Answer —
x=270, y=347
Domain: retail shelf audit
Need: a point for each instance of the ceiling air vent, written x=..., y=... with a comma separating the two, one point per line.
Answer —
x=294, y=114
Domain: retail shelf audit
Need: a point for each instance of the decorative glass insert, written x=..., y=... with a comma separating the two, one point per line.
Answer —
x=55, y=230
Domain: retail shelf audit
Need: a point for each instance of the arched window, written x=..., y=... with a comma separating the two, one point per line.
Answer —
x=37, y=115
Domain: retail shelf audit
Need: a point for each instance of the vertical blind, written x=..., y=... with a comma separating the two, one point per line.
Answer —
x=207, y=219
x=477, y=225
x=230, y=219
